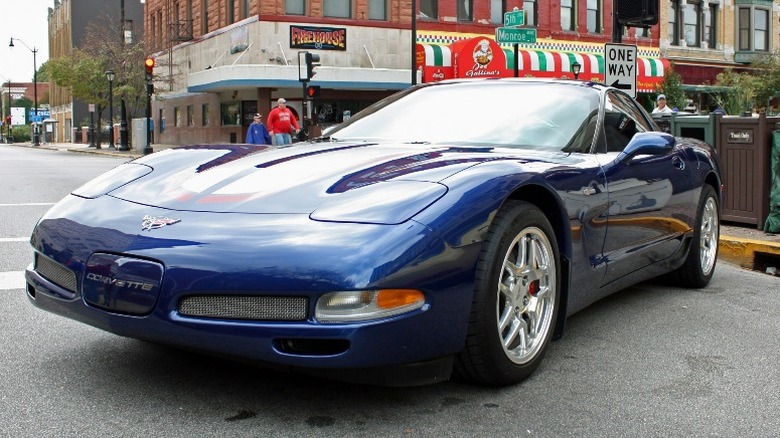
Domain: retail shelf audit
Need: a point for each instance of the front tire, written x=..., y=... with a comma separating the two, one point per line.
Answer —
x=516, y=298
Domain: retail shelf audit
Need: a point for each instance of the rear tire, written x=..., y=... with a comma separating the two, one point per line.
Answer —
x=516, y=298
x=699, y=265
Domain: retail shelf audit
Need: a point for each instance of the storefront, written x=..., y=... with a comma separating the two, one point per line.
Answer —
x=481, y=56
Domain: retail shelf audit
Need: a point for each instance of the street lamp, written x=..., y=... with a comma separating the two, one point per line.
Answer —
x=34, y=51
x=110, y=76
x=575, y=68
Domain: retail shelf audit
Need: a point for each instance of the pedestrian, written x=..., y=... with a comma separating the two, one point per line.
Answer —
x=661, y=107
x=257, y=133
x=282, y=123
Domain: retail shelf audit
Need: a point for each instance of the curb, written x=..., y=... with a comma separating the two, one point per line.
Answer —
x=743, y=251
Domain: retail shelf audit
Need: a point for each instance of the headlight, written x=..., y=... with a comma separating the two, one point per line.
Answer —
x=385, y=203
x=111, y=180
x=364, y=305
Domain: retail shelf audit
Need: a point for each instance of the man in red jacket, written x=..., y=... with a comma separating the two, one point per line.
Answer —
x=282, y=123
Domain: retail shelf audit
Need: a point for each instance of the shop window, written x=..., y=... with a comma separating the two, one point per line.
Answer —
x=190, y=115
x=429, y=8
x=594, y=16
x=497, y=9
x=295, y=7
x=568, y=17
x=204, y=115
x=530, y=8
x=377, y=9
x=337, y=8
x=465, y=10
x=176, y=117
x=205, y=16
x=230, y=113
x=231, y=11
x=245, y=9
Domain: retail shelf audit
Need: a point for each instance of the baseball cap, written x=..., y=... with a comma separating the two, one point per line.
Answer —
x=661, y=96
x=258, y=115
x=281, y=100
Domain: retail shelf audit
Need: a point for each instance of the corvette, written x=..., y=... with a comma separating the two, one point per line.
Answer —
x=449, y=229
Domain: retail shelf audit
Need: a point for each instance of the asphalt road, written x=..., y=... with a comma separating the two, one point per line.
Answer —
x=650, y=361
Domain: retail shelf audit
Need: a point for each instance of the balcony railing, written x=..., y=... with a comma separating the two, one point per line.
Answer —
x=181, y=30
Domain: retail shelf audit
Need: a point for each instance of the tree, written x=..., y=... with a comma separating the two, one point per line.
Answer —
x=671, y=86
x=767, y=83
x=742, y=94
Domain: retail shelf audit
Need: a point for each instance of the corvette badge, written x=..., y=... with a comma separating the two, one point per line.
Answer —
x=154, y=222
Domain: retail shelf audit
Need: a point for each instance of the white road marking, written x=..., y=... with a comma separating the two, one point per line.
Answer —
x=14, y=239
x=27, y=204
x=12, y=280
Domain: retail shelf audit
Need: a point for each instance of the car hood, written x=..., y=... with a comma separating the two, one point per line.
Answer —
x=296, y=179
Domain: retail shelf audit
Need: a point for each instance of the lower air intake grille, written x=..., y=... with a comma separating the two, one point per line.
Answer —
x=258, y=308
x=55, y=272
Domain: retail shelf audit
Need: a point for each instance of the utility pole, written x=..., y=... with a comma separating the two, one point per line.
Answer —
x=123, y=146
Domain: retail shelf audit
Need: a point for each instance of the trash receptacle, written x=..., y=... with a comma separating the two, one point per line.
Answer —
x=697, y=126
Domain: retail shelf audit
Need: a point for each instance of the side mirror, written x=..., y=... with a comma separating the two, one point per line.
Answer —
x=647, y=143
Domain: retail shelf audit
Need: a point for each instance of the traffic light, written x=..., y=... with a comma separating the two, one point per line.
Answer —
x=311, y=59
x=641, y=13
x=149, y=64
x=313, y=91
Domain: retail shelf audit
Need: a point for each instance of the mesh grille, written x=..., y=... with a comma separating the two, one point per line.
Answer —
x=257, y=308
x=55, y=272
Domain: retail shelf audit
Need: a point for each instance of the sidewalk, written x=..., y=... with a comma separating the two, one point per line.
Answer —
x=740, y=244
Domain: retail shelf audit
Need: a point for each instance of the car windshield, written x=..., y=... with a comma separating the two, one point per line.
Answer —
x=544, y=116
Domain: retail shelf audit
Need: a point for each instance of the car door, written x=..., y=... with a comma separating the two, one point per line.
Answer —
x=646, y=193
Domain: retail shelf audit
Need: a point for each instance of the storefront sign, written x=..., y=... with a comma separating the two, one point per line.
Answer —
x=320, y=38
x=479, y=58
x=740, y=137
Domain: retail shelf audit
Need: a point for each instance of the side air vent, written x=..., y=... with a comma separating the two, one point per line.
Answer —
x=55, y=272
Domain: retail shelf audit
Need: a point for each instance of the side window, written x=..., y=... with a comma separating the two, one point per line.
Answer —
x=622, y=119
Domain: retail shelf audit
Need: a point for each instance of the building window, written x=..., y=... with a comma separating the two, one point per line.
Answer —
x=692, y=24
x=497, y=9
x=377, y=9
x=674, y=18
x=176, y=117
x=465, y=10
x=190, y=115
x=295, y=7
x=205, y=15
x=429, y=8
x=568, y=21
x=245, y=9
x=204, y=115
x=529, y=6
x=162, y=120
x=231, y=11
x=761, y=33
x=230, y=113
x=337, y=8
x=753, y=29
x=594, y=16
x=711, y=27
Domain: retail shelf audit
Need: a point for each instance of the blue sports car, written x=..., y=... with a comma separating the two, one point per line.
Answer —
x=449, y=229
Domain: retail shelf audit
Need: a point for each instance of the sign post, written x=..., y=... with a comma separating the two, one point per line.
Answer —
x=621, y=65
x=511, y=34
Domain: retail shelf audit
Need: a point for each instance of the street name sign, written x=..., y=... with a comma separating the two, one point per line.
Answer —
x=514, y=18
x=620, y=65
x=508, y=35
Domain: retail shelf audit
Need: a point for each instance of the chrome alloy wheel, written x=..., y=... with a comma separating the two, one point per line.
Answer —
x=526, y=295
x=710, y=229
